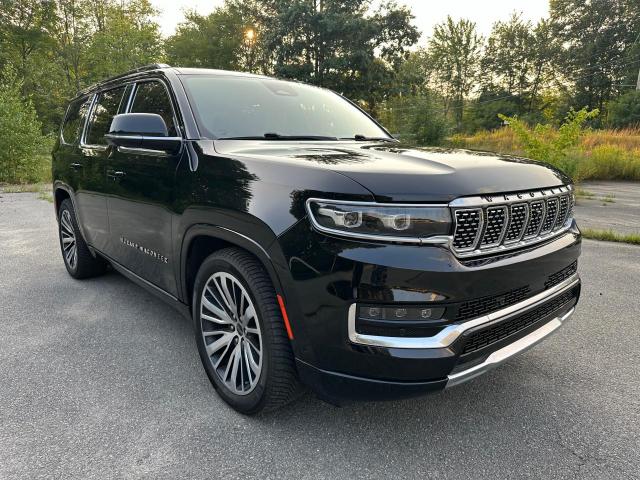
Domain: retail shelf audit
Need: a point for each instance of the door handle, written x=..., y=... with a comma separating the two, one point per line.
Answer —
x=116, y=174
x=76, y=166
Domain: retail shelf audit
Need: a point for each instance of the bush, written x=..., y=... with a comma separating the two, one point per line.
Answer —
x=625, y=110
x=556, y=147
x=22, y=145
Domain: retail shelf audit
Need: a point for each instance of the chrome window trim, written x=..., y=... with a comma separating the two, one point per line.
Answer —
x=450, y=333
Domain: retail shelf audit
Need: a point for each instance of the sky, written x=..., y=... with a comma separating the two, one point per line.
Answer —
x=427, y=12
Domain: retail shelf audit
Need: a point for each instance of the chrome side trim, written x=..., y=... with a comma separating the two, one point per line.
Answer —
x=143, y=151
x=450, y=333
x=501, y=356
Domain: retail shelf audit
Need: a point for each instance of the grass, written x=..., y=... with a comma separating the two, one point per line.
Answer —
x=582, y=193
x=601, y=154
x=42, y=189
x=611, y=236
x=25, y=187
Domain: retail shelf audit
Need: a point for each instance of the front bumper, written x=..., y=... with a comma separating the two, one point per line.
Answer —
x=325, y=277
x=334, y=386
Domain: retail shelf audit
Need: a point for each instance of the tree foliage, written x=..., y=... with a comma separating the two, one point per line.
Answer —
x=625, y=110
x=21, y=142
x=454, y=57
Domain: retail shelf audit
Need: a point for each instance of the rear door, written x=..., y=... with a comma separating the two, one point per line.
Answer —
x=142, y=195
x=69, y=159
x=92, y=188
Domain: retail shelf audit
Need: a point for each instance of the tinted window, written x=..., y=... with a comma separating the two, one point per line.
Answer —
x=73, y=122
x=106, y=108
x=151, y=97
x=227, y=106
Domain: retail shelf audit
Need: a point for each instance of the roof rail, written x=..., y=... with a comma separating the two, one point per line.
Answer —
x=144, y=68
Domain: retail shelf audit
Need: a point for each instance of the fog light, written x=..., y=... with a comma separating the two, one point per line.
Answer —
x=401, y=312
x=374, y=312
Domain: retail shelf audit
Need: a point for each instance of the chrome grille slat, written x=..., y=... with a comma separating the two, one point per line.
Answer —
x=501, y=222
x=552, y=214
x=495, y=226
x=562, y=211
x=536, y=216
x=468, y=228
x=518, y=218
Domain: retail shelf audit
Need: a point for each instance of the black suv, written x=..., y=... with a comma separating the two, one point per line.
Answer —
x=307, y=245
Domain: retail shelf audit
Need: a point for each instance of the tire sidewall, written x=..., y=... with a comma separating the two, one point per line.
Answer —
x=254, y=400
x=67, y=206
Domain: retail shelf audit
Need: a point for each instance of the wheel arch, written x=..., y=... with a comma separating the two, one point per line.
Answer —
x=60, y=193
x=202, y=240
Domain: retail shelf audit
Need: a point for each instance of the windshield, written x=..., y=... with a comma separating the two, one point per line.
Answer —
x=232, y=107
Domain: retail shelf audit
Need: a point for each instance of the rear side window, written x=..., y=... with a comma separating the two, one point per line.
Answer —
x=152, y=97
x=74, y=120
x=107, y=106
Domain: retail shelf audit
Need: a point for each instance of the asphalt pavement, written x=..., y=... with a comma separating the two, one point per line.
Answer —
x=99, y=380
x=609, y=205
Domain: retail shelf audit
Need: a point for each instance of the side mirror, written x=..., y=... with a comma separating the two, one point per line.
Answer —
x=141, y=130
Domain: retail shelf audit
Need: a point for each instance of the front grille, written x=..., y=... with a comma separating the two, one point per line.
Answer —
x=484, y=338
x=468, y=223
x=550, y=219
x=490, y=303
x=508, y=221
x=517, y=222
x=536, y=215
x=483, y=305
x=560, y=276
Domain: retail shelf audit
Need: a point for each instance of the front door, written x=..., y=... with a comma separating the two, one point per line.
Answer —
x=141, y=197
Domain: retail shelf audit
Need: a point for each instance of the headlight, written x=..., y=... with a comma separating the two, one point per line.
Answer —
x=374, y=221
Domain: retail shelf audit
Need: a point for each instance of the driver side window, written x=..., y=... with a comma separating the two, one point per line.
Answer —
x=152, y=97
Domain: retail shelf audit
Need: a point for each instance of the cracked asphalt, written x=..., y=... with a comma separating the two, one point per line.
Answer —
x=99, y=380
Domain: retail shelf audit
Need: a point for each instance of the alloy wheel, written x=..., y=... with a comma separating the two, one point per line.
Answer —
x=231, y=333
x=68, y=238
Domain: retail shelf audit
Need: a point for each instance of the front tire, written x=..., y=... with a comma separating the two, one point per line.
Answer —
x=240, y=333
x=78, y=259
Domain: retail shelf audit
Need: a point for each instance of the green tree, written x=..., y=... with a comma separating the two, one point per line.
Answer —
x=129, y=38
x=21, y=141
x=225, y=39
x=625, y=110
x=337, y=43
x=454, y=57
x=508, y=60
x=596, y=38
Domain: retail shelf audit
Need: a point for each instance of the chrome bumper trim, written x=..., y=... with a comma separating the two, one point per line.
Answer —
x=450, y=333
x=500, y=356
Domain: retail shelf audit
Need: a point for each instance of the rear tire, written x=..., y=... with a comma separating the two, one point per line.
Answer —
x=240, y=322
x=78, y=259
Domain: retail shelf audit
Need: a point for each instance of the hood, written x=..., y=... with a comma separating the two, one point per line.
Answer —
x=396, y=174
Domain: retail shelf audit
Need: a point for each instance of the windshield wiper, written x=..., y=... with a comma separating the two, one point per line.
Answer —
x=363, y=138
x=277, y=136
